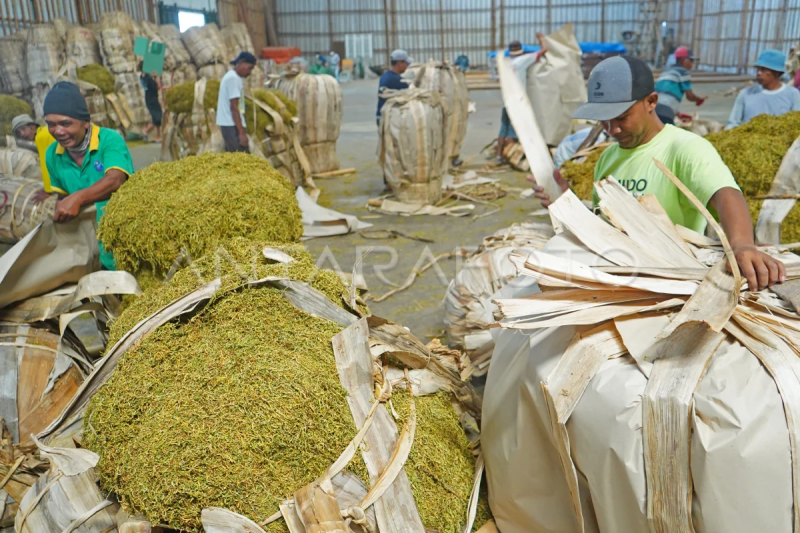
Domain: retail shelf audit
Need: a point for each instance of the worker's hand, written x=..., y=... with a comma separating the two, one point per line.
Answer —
x=539, y=192
x=243, y=140
x=759, y=269
x=67, y=208
x=699, y=101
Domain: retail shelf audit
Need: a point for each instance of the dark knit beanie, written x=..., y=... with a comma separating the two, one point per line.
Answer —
x=65, y=98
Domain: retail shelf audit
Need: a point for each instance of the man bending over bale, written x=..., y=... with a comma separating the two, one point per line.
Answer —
x=88, y=162
x=230, y=103
x=622, y=96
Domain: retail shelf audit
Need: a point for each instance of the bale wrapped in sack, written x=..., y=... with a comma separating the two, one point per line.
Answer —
x=556, y=86
x=159, y=212
x=176, y=55
x=116, y=42
x=214, y=71
x=468, y=302
x=237, y=39
x=44, y=53
x=451, y=84
x=206, y=45
x=256, y=79
x=66, y=498
x=129, y=87
x=669, y=396
x=27, y=205
x=18, y=162
x=282, y=438
x=13, y=70
x=319, y=109
x=412, y=151
x=10, y=107
x=189, y=124
x=81, y=46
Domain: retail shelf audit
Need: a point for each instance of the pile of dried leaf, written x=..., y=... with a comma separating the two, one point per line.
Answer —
x=195, y=204
x=241, y=405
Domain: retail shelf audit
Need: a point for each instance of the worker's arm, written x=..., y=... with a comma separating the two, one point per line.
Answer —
x=543, y=43
x=237, y=121
x=694, y=98
x=760, y=270
x=737, y=113
x=68, y=208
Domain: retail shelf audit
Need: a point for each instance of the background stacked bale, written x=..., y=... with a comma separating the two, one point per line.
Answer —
x=451, y=84
x=319, y=108
x=96, y=82
x=412, y=150
x=13, y=69
x=44, y=56
x=81, y=46
x=190, y=121
x=177, y=61
x=270, y=115
x=206, y=46
x=237, y=39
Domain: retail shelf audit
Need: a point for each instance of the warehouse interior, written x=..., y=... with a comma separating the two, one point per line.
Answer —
x=370, y=266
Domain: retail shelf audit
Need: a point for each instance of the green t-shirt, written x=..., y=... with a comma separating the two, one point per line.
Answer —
x=690, y=157
x=107, y=150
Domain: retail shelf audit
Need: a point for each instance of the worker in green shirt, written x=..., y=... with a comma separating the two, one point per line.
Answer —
x=622, y=96
x=88, y=162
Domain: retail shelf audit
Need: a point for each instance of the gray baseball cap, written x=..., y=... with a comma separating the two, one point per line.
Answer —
x=21, y=120
x=615, y=84
x=401, y=55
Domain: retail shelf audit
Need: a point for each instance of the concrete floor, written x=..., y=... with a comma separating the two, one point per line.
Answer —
x=391, y=262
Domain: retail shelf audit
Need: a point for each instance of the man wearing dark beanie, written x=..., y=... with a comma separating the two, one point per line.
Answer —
x=87, y=161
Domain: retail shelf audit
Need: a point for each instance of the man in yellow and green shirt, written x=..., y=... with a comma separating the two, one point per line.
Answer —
x=622, y=97
x=88, y=162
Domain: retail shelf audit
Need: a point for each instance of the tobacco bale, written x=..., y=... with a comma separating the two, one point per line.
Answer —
x=13, y=70
x=581, y=175
x=180, y=99
x=97, y=75
x=197, y=203
x=236, y=408
x=81, y=46
x=10, y=107
x=440, y=466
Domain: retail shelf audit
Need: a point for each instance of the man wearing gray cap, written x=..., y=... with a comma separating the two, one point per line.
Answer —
x=26, y=129
x=392, y=79
x=622, y=97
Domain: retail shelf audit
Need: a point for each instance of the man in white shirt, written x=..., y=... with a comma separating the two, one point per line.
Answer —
x=230, y=103
x=520, y=63
x=334, y=61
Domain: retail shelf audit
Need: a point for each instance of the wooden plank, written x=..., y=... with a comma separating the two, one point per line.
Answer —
x=666, y=429
x=396, y=510
x=602, y=238
x=565, y=386
x=712, y=304
x=530, y=136
x=655, y=231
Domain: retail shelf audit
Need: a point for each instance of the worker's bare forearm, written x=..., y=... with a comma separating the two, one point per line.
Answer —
x=103, y=189
x=734, y=216
x=692, y=97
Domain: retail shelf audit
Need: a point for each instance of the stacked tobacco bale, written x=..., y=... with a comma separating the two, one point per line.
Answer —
x=319, y=110
x=206, y=46
x=468, y=302
x=233, y=362
x=412, y=150
x=675, y=388
x=44, y=57
x=451, y=84
x=237, y=39
x=178, y=67
x=13, y=71
x=81, y=46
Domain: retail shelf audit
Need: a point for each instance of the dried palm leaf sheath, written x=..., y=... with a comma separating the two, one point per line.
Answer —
x=673, y=359
x=521, y=114
x=562, y=393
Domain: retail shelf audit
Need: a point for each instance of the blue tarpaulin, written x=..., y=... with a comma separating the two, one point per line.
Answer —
x=586, y=48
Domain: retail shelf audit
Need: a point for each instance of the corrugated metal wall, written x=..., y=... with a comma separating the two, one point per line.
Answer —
x=727, y=34
x=16, y=15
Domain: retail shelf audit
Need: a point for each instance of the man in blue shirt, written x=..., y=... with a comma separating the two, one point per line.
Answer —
x=392, y=78
x=673, y=83
x=768, y=96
